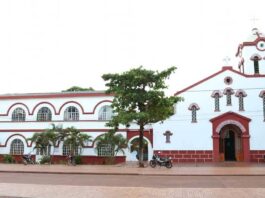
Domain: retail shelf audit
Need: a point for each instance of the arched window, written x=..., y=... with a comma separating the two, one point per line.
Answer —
x=241, y=94
x=194, y=108
x=67, y=150
x=216, y=95
x=256, y=58
x=44, y=114
x=18, y=115
x=17, y=147
x=256, y=65
x=228, y=92
x=105, y=113
x=71, y=113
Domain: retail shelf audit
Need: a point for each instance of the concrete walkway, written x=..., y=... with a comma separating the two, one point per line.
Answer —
x=133, y=169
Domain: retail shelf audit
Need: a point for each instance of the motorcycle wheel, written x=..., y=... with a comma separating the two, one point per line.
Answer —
x=152, y=163
x=169, y=165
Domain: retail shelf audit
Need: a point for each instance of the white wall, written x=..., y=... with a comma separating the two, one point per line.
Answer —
x=197, y=136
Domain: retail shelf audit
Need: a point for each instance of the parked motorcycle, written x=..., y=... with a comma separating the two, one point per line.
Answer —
x=156, y=160
x=27, y=160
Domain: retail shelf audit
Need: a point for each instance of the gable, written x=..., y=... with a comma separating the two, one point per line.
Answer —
x=224, y=69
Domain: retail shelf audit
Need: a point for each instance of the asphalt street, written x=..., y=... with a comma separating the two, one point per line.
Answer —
x=135, y=180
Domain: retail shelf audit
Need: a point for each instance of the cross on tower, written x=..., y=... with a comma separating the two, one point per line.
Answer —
x=226, y=60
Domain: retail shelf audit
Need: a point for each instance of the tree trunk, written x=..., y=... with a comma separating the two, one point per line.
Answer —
x=141, y=138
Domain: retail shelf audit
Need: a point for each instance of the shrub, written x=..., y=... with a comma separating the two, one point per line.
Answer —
x=78, y=159
x=8, y=159
x=45, y=159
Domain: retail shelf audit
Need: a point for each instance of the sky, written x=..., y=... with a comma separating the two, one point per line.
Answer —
x=51, y=45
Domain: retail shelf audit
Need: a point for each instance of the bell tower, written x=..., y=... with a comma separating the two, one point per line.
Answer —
x=251, y=54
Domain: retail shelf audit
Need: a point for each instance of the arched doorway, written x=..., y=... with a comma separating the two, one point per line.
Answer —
x=135, y=148
x=230, y=143
x=236, y=128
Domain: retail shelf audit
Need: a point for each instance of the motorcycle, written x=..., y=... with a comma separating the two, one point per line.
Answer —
x=27, y=160
x=156, y=160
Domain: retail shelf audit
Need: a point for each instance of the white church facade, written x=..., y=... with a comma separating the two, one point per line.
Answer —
x=222, y=117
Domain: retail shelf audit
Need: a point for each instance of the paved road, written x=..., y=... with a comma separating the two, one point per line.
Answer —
x=135, y=181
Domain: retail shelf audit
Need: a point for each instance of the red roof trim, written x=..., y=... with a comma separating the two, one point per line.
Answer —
x=230, y=113
x=16, y=104
x=217, y=73
x=28, y=145
x=46, y=103
x=43, y=130
x=59, y=95
x=55, y=113
x=249, y=43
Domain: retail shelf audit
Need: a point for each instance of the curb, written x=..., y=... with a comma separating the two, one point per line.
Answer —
x=132, y=174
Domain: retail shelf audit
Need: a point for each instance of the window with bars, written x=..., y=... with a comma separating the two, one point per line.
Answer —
x=241, y=94
x=67, y=150
x=71, y=113
x=105, y=113
x=228, y=92
x=241, y=102
x=17, y=147
x=193, y=114
x=18, y=115
x=256, y=65
x=216, y=102
x=193, y=108
x=44, y=151
x=217, y=95
x=105, y=150
x=228, y=98
x=44, y=114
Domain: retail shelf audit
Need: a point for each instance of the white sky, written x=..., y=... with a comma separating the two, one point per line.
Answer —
x=51, y=45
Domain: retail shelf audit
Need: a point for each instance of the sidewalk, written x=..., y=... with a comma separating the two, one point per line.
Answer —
x=218, y=169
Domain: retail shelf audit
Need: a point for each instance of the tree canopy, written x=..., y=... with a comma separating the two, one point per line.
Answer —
x=139, y=97
x=76, y=88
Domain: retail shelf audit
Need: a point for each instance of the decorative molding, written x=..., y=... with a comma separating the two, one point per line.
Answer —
x=41, y=103
x=253, y=57
x=25, y=139
x=226, y=90
x=25, y=107
x=240, y=91
x=233, y=122
x=194, y=105
x=216, y=92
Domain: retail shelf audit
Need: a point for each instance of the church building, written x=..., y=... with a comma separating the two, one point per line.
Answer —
x=222, y=117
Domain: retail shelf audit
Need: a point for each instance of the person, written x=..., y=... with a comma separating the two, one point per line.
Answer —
x=71, y=160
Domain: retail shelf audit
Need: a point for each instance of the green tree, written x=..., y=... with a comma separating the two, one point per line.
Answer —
x=73, y=138
x=76, y=88
x=116, y=142
x=46, y=139
x=139, y=97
